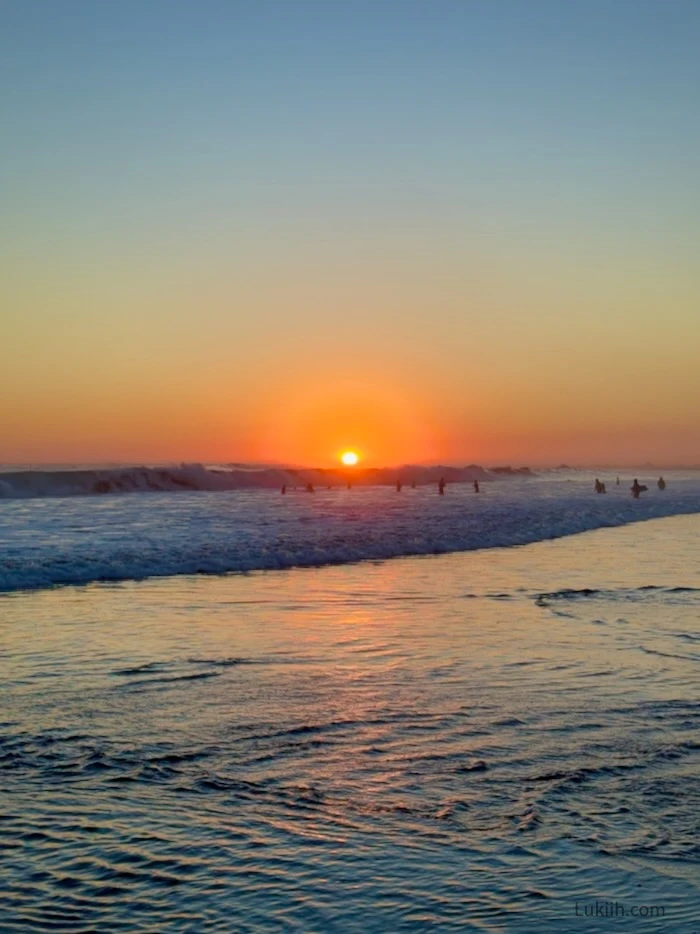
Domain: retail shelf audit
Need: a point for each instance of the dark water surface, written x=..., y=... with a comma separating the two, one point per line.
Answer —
x=490, y=741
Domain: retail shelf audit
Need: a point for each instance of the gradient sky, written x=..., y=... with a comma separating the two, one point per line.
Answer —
x=433, y=231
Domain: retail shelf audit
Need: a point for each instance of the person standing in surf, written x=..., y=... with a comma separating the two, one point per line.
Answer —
x=637, y=488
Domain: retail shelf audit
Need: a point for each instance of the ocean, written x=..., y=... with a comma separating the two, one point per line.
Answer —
x=352, y=710
x=55, y=529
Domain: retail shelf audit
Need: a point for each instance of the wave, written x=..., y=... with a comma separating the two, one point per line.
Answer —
x=635, y=594
x=24, y=484
x=83, y=541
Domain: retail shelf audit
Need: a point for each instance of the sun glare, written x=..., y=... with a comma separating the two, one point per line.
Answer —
x=349, y=458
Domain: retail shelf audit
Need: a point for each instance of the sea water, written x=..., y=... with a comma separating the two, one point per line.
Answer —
x=499, y=740
x=51, y=539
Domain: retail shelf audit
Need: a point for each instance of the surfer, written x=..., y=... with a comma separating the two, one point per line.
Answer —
x=637, y=488
x=661, y=483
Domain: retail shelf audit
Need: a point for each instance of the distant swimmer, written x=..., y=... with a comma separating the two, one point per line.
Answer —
x=661, y=483
x=617, y=482
x=476, y=486
x=599, y=487
x=284, y=488
x=309, y=487
x=441, y=486
x=413, y=485
x=637, y=488
x=398, y=486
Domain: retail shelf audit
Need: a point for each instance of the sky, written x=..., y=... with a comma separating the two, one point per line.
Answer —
x=452, y=231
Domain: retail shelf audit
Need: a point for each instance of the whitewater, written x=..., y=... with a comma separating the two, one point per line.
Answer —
x=57, y=529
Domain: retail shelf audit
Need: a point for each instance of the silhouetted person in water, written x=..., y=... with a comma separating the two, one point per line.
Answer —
x=441, y=486
x=398, y=486
x=661, y=483
x=637, y=488
x=476, y=486
x=599, y=487
x=309, y=487
x=413, y=485
x=617, y=482
x=284, y=488
x=349, y=485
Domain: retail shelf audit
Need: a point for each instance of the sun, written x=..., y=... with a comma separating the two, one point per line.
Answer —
x=349, y=458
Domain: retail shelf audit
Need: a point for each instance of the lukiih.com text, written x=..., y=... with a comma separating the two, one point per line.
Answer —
x=601, y=909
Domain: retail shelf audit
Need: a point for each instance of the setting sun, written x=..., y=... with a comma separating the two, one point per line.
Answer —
x=349, y=458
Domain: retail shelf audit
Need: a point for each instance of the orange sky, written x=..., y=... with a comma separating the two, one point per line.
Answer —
x=466, y=238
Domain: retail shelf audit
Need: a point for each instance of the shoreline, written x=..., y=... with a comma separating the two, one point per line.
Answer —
x=486, y=741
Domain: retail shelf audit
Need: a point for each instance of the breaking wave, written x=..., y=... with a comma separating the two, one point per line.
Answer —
x=23, y=484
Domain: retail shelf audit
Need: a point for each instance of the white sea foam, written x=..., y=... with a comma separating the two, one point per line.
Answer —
x=78, y=540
